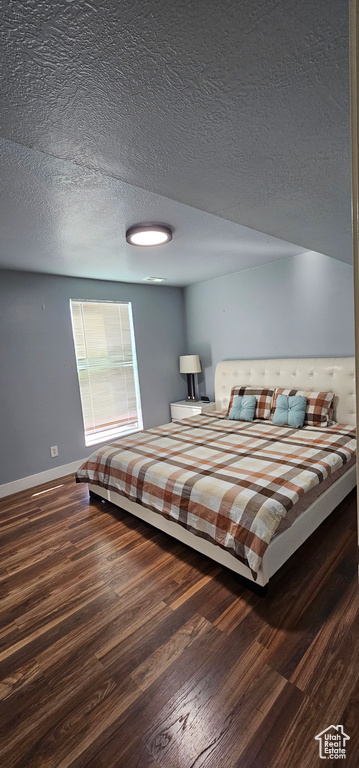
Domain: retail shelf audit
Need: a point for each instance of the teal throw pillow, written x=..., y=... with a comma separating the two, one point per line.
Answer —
x=290, y=411
x=243, y=408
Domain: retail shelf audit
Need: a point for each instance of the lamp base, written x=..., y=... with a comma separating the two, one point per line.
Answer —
x=190, y=387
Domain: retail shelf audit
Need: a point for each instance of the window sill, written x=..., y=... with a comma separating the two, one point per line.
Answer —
x=111, y=438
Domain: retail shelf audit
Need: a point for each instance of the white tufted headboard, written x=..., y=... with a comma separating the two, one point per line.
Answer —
x=321, y=374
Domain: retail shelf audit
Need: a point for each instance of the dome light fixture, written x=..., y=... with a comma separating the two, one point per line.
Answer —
x=146, y=235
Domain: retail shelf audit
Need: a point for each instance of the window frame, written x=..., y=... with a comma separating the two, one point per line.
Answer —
x=90, y=442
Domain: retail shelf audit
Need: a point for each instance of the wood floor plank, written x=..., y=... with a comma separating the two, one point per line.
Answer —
x=326, y=642
x=350, y=719
x=261, y=748
x=197, y=725
x=121, y=647
x=167, y=653
x=288, y=652
x=125, y=734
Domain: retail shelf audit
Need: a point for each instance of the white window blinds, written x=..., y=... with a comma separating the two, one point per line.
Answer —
x=107, y=369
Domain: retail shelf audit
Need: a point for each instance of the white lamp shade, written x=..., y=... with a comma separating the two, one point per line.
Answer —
x=190, y=364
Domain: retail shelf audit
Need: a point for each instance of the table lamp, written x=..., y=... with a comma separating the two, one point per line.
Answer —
x=190, y=365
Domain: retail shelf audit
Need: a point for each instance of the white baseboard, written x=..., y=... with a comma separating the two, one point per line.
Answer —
x=42, y=477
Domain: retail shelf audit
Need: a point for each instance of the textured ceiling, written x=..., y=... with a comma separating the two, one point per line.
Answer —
x=239, y=109
x=60, y=218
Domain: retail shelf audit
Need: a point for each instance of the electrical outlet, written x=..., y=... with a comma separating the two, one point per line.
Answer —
x=54, y=451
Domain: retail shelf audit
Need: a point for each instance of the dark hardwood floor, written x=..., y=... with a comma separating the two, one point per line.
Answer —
x=121, y=647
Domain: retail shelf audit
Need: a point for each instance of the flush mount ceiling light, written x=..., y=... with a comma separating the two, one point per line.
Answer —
x=155, y=279
x=148, y=234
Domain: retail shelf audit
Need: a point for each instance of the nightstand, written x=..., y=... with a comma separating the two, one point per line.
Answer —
x=183, y=409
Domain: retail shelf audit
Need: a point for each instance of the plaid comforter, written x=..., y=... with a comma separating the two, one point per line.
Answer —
x=230, y=482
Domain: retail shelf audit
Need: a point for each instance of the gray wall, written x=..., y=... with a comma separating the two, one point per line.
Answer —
x=40, y=401
x=296, y=307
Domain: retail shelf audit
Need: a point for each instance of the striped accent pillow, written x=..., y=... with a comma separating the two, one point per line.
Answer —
x=319, y=405
x=264, y=398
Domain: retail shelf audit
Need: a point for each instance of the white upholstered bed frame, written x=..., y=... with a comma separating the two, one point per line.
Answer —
x=316, y=374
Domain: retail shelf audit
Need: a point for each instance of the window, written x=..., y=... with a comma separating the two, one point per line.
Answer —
x=107, y=369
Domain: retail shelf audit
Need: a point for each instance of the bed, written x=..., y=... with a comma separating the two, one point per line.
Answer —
x=245, y=494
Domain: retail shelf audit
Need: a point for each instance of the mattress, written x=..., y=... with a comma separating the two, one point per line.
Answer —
x=230, y=482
